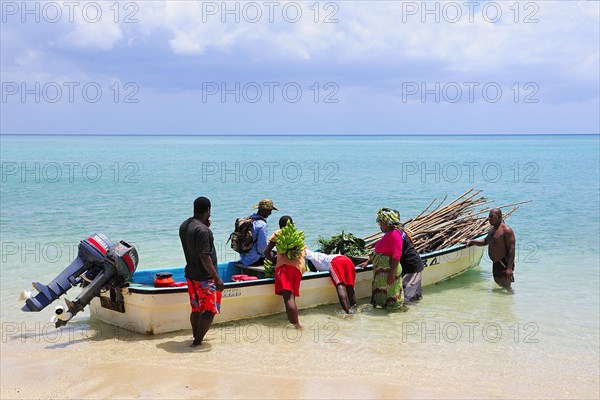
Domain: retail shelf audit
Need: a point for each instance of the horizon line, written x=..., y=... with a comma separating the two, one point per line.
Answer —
x=296, y=135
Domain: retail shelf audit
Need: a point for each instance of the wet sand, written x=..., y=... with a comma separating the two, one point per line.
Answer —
x=332, y=357
x=165, y=366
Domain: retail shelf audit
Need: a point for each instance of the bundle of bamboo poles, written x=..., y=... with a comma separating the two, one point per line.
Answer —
x=465, y=217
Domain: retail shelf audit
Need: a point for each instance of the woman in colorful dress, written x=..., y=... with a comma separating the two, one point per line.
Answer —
x=387, y=270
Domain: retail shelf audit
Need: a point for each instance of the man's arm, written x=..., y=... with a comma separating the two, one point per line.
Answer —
x=210, y=268
x=509, y=238
x=480, y=242
x=203, y=244
x=262, y=238
x=269, y=251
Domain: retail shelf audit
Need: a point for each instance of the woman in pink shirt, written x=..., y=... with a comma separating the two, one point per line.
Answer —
x=387, y=270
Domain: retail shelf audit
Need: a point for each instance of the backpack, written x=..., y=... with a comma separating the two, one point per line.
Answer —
x=241, y=238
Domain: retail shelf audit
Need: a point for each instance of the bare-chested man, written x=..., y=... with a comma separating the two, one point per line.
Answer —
x=501, y=241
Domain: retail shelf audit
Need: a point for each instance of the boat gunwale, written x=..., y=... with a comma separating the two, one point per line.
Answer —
x=146, y=289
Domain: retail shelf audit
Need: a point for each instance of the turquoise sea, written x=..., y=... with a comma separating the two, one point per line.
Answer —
x=57, y=190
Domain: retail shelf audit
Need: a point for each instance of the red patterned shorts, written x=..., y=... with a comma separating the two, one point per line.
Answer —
x=204, y=296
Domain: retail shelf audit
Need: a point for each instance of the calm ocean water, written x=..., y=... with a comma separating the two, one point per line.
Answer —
x=56, y=191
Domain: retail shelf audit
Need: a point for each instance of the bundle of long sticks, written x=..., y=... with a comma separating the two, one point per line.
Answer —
x=465, y=217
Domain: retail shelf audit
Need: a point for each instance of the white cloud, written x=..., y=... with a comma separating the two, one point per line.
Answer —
x=374, y=35
x=79, y=25
x=384, y=33
x=92, y=36
x=185, y=43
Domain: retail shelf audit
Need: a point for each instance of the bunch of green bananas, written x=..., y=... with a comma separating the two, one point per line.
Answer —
x=290, y=241
x=269, y=270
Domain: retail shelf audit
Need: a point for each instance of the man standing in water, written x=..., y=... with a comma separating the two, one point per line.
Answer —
x=501, y=241
x=204, y=284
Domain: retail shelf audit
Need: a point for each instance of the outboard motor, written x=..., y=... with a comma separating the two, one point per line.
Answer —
x=99, y=264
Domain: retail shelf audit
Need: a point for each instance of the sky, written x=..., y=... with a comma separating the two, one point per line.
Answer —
x=300, y=67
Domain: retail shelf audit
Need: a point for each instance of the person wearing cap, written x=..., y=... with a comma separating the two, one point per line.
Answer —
x=260, y=233
x=388, y=291
x=343, y=275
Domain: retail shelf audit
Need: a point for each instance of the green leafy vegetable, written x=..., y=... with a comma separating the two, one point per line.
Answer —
x=343, y=243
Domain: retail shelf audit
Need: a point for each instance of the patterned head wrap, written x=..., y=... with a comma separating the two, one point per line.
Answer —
x=389, y=216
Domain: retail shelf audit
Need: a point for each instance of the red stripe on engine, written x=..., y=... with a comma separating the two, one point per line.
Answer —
x=97, y=245
x=129, y=262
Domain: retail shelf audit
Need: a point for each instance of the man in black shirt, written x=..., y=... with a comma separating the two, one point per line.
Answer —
x=204, y=284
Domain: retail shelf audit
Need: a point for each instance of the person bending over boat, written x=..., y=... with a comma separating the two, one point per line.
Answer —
x=288, y=274
x=387, y=291
x=204, y=284
x=501, y=241
x=260, y=233
x=343, y=275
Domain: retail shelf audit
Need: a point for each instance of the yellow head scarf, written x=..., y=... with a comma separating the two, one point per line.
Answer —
x=389, y=216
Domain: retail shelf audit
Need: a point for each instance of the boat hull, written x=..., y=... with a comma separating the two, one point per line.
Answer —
x=145, y=309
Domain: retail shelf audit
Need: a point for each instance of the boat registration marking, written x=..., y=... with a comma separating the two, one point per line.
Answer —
x=232, y=292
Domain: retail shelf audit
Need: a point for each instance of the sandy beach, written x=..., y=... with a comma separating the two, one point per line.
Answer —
x=332, y=357
x=117, y=364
